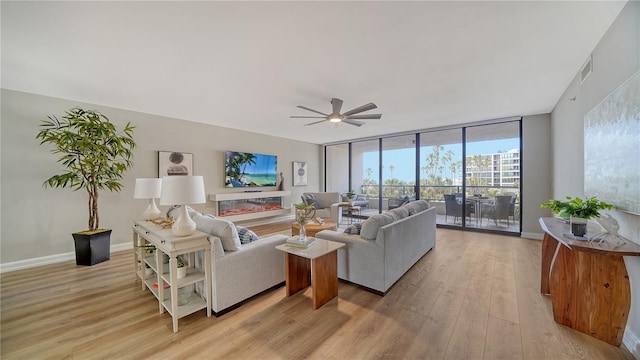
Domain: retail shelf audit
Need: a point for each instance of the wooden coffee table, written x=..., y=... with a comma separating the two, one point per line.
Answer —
x=316, y=266
x=313, y=228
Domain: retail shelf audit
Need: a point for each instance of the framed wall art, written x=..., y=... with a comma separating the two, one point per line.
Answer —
x=174, y=163
x=612, y=149
x=299, y=173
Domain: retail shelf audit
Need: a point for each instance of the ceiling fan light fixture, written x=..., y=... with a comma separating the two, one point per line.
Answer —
x=336, y=116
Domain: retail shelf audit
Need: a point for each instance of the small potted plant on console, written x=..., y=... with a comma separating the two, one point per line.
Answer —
x=182, y=268
x=578, y=211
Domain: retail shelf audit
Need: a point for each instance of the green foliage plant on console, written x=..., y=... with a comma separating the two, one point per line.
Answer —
x=94, y=153
x=576, y=207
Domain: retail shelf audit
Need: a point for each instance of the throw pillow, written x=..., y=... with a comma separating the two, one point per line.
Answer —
x=222, y=228
x=306, y=198
x=246, y=235
x=317, y=203
x=412, y=207
x=417, y=206
x=402, y=212
x=353, y=229
x=370, y=227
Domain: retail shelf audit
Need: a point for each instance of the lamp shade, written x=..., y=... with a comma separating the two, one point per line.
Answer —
x=147, y=188
x=181, y=190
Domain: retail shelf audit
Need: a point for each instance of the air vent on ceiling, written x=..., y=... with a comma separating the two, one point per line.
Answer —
x=586, y=69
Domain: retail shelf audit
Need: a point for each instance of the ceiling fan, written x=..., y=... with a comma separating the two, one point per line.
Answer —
x=348, y=117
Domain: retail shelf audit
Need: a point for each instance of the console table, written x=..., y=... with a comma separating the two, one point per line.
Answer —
x=588, y=282
x=157, y=273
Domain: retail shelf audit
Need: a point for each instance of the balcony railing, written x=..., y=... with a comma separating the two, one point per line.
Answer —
x=436, y=192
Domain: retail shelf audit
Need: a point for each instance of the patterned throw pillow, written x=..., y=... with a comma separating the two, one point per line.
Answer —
x=353, y=229
x=246, y=235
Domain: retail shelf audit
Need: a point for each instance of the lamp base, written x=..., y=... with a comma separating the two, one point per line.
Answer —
x=183, y=226
x=152, y=212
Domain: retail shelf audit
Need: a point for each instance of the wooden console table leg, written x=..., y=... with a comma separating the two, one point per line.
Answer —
x=298, y=273
x=591, y=293
x=324, y=272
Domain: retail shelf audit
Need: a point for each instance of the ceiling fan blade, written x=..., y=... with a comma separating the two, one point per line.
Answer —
x=337, y=105
x=315, y=111
x=307, y=117
x=354, y=123
x=315, y=122
x=364, y=117
x=369, y=106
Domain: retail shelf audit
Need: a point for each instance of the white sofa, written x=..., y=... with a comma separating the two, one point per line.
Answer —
x=329, y=204
x=241, y=274
x=388, y=246
x=242, y=270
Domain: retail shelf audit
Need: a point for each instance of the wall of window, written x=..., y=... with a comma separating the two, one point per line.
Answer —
x=475, y=163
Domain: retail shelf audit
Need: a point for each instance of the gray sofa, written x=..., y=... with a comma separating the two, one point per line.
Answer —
x=388, y=245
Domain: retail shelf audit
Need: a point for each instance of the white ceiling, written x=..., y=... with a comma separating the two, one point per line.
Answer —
x=246, y=65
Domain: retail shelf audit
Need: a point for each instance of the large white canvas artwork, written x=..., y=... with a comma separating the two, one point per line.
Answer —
x=612, y=148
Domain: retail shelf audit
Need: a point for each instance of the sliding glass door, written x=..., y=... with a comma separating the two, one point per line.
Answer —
x=493, y=176
x=398, y=169
x=441, y=174
x=365, y=173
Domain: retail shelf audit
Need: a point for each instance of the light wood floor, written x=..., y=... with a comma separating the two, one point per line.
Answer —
x=475, y=296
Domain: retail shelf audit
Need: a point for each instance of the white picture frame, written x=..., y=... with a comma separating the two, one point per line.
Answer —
x=174, y=163
x=299, y=173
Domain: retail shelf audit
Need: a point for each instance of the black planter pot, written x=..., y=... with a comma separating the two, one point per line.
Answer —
x=92, y=249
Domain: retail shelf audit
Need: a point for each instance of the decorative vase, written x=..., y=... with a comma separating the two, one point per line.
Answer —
x=303, y=232
x=350, y=201
x=578, y=226
x=182, y=272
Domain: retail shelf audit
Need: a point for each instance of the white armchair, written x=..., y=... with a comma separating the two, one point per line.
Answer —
x=326, y=204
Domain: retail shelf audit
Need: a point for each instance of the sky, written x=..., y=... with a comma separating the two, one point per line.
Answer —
x=401, y=156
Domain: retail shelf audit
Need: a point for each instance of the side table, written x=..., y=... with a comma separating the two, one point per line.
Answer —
x=171, y=245
x=317, y=266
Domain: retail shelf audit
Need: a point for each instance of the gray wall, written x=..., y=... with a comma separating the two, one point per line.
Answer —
x=536, y=172
x=615, y=59
x=38, y=222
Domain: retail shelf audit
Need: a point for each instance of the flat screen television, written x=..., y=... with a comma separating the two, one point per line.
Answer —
x=244, y=169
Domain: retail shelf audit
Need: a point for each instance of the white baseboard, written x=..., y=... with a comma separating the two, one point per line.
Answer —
x=52, y=259
x=632, y=342
x=535, y=236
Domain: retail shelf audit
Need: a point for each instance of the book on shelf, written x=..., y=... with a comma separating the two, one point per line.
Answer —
x=295, y=241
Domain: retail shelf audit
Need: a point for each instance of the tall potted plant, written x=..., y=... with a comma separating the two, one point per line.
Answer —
x=95, y=155
x=578, y=211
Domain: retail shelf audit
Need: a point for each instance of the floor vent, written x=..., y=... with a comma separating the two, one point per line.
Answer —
x=587, y=69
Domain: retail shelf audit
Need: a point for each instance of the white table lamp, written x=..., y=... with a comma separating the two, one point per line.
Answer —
x=149, y=188
x=182, y=190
